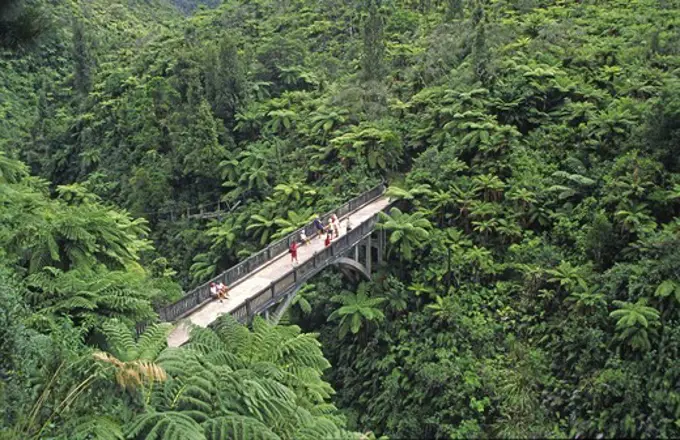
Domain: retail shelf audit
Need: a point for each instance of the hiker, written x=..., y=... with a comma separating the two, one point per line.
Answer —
x=222, y=291
x=293, y=248
x=329, y=237
x=330, y=227
x=303, y=237
x=213, y=290
x=319, y=227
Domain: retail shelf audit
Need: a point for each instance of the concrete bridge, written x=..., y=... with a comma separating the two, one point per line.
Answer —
x=266, y=282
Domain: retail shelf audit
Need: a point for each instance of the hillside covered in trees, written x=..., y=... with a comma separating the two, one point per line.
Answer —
x=531, y=286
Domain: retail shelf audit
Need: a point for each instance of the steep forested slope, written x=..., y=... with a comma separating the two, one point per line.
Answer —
x=188, y=6
x=531, y=288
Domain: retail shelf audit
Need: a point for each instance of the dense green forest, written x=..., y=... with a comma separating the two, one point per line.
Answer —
x=532, y=149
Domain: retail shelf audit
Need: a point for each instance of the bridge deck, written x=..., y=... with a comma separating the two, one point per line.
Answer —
x=255, y=282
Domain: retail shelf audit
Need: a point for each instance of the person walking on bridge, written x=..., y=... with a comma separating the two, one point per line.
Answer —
x=335, y=224
x=293, y=248
x=319, y=226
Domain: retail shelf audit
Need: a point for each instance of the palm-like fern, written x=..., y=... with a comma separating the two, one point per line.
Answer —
x=11, y=171
x=262, y=226
x=233, y=383
x=238, y=428
x=412, y=194
x=294, y=192
x=635, y=323
x=168, y=425
x=357, y=310
x=72, y=236
x=292, y=222
x=133, y=361
x=92, y=297
x=407, y=231
x=97, y=428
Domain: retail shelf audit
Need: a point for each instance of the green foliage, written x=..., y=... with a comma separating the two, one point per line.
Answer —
x=356, y=311
x=407, y=231
x=635, y=323
x=167, y=425
x=238, y=427
x=531, y=285
x=98, y=428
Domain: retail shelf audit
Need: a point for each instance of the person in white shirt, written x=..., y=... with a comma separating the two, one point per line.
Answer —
x=222, y=291
x=303, y=237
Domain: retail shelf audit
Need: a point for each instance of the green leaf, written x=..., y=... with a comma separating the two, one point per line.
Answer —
x=666, y=288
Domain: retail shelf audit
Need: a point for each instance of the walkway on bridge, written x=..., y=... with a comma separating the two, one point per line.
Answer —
x=276, y=275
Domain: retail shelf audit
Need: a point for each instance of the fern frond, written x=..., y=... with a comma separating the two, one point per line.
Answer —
x=120, y=339
x=97, y=428
x=323, y=428
x=170, y=425
x=235, y=427
x=153, y=341
x=234, y=335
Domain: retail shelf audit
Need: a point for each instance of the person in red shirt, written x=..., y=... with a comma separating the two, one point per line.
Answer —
x=328, y=238
x=293, y=252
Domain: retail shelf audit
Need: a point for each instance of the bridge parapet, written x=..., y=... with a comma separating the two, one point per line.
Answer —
x=289, y=282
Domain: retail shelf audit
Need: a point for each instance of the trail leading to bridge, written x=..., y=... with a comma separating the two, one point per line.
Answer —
x=276, y=267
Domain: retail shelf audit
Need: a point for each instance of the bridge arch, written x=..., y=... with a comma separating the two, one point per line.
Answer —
x=353, y=269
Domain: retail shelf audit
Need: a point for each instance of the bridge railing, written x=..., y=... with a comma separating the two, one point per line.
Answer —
x=282, y=286
x=201, y=294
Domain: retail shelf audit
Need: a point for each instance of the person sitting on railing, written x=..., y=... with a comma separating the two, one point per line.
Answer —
x=213, y=291
x=319, y=226
x=329, y=237
x=222, y=291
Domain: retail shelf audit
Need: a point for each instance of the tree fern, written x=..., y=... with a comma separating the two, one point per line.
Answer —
x=153, y=341
x=236, y=427
x=236, y=382
x=323, y=428
x=232, y=333
x=98, y=294
x=169, y=425
x=97, y=428
x=178, y=361
x=11, y=171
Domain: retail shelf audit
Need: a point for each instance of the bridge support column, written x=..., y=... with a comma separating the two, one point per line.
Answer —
x=356, y=253
x=266, y=314
x=369, y=253
x=282, y=306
